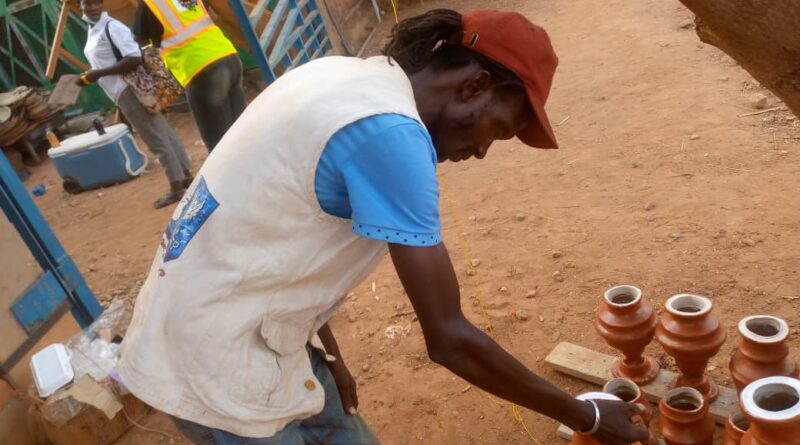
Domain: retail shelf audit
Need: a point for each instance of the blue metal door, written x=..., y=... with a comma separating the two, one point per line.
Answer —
x=39, y=281
x=294, y=34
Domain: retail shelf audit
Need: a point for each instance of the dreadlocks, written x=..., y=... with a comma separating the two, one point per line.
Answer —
x=434, y=38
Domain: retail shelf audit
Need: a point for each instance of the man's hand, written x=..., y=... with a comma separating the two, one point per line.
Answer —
x=620, y=423
x=341, y=375
x=346, y=385
x=91, y=77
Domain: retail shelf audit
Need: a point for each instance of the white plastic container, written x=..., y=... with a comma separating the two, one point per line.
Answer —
x=51, y=369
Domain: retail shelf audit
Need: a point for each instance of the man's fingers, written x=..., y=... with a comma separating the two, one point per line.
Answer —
x=354, y=395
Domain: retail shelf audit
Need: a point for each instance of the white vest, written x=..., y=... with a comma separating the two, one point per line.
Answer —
x=251, y=266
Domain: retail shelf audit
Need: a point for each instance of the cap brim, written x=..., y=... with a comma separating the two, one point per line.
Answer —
x=538, y=133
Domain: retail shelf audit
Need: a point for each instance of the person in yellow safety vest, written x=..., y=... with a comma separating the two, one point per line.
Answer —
x=200, y=57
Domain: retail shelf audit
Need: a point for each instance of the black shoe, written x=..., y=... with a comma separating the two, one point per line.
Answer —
x=171, y=197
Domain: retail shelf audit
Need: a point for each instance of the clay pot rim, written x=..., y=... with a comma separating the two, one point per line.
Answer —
x=783, y=329
x=751, y=408
x=685, y=390
x=737, y=417
x=623, y=289
x=704, y=303
x=597, y=395
x=622, y=382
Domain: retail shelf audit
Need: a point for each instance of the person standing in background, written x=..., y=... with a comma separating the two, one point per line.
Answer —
x=105, y=36
x=199, y=55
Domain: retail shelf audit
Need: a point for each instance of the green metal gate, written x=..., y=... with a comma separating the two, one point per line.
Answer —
x=26, y=32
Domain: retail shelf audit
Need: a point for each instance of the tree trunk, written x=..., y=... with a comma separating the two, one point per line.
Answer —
x=763, y=36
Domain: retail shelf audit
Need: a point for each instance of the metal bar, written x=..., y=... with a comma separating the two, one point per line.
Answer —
x=37, y=301
x=43, y=244
x=8, y=51
x=22, y=66
x=257, y=12
x=377, y=10
x=324, y=47
x=312, y=42
x=5, y=80
x=288, y=26
x=252, y=40
x=287, y=41
x=34, y=337
x=22, y=5
x=31, y=55
x=272, y=24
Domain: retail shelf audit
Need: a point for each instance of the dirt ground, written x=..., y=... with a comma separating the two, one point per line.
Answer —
x=658, y=183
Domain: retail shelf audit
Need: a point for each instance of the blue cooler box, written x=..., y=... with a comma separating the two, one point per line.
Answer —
x=91, y=160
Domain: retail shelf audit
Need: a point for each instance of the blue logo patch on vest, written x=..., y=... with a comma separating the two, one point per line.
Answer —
x=198, y=208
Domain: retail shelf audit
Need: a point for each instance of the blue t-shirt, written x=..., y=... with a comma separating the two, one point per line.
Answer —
x=380, y=172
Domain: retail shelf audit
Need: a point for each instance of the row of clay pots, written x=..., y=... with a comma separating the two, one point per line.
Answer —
x=771, y=416
x=691, y=333
x=684, y=418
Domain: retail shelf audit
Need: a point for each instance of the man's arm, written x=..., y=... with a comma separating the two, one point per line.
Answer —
x=344, y=380
x=453, y=342
x=125, y=65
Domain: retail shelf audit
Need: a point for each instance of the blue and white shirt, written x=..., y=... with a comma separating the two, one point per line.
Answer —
x=380, y=172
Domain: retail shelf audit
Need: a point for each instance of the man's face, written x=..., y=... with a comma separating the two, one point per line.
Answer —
x=92, y=9
x=472, y=121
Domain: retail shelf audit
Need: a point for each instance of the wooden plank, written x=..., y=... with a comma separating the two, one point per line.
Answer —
x=594, y=367
x=66, y=91
x=55, y=47
x=73, y=60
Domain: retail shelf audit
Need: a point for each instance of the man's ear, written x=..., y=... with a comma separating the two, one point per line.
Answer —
x=474, y=85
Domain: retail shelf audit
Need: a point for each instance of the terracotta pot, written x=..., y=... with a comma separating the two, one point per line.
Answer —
x=691, y=333
x=684, y=418
x=627, y=323
x=762, y=352
x=582, y=439
x=773, y=406
x=735, y=428
x=627, y=391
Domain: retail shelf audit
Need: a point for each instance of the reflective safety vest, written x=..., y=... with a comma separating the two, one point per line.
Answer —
x=191, y=41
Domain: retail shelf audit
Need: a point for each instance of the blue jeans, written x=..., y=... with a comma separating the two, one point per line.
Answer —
x=332, y=426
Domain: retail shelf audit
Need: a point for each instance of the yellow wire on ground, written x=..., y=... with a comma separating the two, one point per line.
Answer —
x=476, y=283
x=394, y=10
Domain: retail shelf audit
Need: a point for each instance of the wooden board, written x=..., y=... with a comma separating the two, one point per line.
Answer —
x=595, y=367
x=55, y=47
x=66, y=91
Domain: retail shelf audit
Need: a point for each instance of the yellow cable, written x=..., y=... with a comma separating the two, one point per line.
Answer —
x=478, y=294
x=394, y=10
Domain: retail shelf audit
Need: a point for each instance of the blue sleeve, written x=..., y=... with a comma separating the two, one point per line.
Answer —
x=392, y=187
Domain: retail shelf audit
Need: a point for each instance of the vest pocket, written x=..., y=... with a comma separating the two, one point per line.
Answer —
x=283, y=338
x=254, y=380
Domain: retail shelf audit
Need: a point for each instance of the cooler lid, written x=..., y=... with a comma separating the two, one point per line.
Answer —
x=88, y=140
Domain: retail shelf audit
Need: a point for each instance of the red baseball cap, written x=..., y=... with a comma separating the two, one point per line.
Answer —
x=511, y=40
